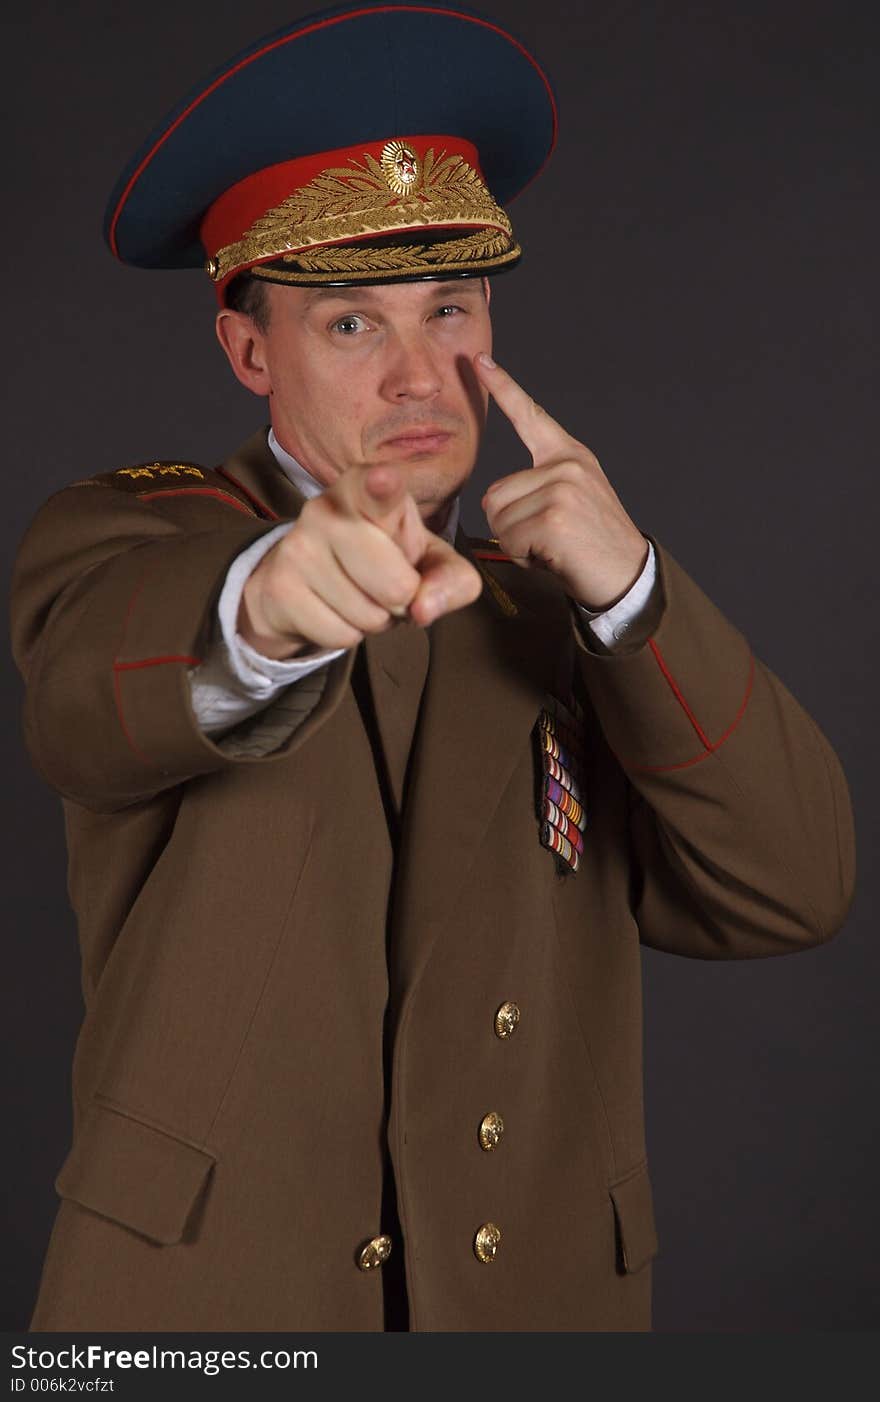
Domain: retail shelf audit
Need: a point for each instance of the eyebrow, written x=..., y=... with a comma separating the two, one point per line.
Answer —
x=316, y=295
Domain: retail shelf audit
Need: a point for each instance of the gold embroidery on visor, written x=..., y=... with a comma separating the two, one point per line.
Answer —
x=358, y=202
x=483, y=249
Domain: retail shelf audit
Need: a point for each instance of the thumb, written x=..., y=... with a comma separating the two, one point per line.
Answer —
x=378, y=494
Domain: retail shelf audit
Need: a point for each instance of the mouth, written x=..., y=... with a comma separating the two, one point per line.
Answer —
x=418, y=440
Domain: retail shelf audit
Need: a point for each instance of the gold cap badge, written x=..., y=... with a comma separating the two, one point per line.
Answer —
x=400, y=165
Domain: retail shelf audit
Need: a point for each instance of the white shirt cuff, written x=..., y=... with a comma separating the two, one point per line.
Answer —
x=612, y=625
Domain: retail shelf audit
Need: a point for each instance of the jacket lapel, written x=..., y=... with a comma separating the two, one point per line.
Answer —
x=489, y=674
x=255, y=472
x=397, y=664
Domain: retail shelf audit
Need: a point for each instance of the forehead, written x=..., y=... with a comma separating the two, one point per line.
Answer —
x=402, y=296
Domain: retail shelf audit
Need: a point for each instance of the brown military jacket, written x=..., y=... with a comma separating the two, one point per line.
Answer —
x=259, y=913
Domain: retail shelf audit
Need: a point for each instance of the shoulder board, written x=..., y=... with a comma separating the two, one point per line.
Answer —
x=149, y=480
x=487, y=549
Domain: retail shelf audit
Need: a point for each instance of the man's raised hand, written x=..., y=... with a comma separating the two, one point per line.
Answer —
x=561, y=513
x=358, y=557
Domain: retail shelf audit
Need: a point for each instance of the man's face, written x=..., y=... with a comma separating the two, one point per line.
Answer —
x=364, y=375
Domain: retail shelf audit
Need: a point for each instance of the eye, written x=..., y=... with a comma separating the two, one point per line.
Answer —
x=448, y=309
x=349, y=325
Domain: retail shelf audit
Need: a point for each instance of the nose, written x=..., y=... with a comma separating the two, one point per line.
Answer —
x=411, y=372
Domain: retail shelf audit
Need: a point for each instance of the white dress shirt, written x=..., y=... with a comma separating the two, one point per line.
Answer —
x=233, y=681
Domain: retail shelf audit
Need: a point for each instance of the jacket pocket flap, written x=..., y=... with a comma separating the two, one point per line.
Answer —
x=634, y=1215
x=142, y=1177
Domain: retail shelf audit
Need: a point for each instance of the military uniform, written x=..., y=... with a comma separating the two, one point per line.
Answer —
x=253, y=929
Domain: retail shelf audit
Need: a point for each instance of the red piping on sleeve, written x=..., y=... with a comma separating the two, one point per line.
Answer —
x=742, y=708
x=154, y=662
x=709, y=748
x=310, y=29
x=707, y=743
x=117, y=694
x=120, y=667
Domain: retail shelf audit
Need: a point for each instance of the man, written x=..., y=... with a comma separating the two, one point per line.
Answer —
x=367, y=821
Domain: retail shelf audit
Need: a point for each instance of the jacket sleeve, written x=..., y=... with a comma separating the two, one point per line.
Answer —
x=112, y=604
x=740, y=816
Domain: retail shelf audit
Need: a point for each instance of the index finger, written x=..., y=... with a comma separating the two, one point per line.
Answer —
x=541, y=434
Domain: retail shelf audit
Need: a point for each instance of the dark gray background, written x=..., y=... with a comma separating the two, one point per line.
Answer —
x=696, y=304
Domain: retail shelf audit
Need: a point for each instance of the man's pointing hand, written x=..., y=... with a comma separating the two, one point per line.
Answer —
x=562, y=513
x=358, y=557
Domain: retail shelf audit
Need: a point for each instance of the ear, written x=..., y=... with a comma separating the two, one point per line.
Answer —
x=244, y=346
x=487, y=290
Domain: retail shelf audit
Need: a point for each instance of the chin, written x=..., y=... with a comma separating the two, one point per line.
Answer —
x=433, y=483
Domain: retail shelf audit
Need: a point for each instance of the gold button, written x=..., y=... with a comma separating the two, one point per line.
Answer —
x=486, y=1242
x=491, y=1130
x=374, y=1253
x=506, y=1020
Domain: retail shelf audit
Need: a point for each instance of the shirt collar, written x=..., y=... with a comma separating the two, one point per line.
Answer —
x=310, y=487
